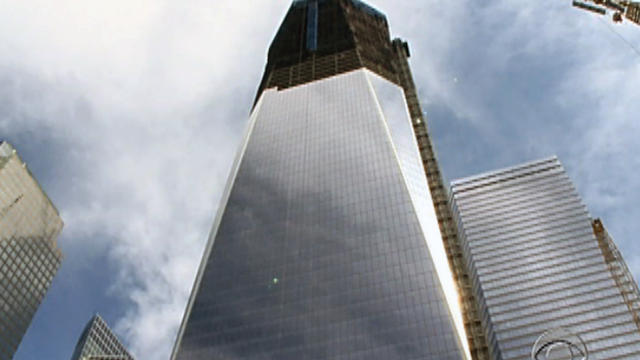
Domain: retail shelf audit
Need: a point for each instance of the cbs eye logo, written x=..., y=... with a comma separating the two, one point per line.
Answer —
x=559, y=344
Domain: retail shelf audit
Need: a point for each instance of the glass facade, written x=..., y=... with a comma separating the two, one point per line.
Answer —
x=29, y=257
x=325, y=244
x=536, y=264
x=98, y=342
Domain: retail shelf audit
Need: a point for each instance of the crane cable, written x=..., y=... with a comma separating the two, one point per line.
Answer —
x=631, y=45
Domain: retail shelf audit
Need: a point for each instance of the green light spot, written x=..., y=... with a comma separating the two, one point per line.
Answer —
x=275, y=280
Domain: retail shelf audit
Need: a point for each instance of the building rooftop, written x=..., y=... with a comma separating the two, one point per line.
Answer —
x=322, y=38
x=98, y=342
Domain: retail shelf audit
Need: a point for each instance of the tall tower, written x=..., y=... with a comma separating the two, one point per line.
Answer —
x=330, y=239
x=29, y=256
x=540, y=263
x=98, y=342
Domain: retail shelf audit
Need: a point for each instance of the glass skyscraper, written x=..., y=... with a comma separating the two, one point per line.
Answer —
x=98, y=342
x=29, y=256
x=541, y=265
x=332, y=237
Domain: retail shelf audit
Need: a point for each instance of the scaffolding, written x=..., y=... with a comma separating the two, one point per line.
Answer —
x=633, y=12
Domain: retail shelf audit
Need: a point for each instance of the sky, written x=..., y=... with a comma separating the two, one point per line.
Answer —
x=129, y=113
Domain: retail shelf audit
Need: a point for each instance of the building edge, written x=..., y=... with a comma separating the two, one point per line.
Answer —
x=443, y=273
x=6, y=152
x=214, y=228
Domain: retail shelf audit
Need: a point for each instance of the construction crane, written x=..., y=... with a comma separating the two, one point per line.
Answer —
x=621, y=9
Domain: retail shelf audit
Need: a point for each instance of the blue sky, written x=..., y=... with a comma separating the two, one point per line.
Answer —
x=129, y=114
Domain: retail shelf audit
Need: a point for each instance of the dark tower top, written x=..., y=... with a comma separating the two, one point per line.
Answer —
x=322, y=38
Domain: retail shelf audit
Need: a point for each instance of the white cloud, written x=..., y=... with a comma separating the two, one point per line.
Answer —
x=149, y=99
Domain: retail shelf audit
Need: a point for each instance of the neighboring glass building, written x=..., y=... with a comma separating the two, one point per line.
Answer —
x=541, y=265
x=98, y=342
x=29, y=256
x=328, y=242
